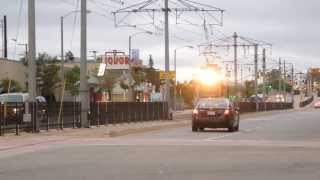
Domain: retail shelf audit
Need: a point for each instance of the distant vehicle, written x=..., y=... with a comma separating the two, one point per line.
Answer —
x=19, y=98
x=16, y=103
x=215, y=113
x=255, y=99
x=317, y=104
x=296, y=92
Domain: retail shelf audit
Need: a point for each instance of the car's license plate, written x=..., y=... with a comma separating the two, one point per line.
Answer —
x=211, y=113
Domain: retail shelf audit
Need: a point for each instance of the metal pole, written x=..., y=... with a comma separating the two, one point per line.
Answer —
x=5, y=40
x=256, y=69
x=26, y=46
x=235, y=45
x=2, y=36
x=285, y=81
x=264, y=72
x=167, y=55
x=83, y=67
x=175, y=84
x=32, y=56
x=62, y=55
x=130, y=94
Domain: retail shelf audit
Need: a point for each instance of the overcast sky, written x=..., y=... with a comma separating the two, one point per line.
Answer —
x=292, y=26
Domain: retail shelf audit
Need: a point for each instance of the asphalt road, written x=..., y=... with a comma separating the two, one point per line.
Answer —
x=282, y=146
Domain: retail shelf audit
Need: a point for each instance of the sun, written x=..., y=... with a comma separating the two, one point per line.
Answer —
x=209, y=77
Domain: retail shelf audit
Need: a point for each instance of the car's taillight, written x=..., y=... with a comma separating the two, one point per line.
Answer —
x=195, y=112
x=226, y=112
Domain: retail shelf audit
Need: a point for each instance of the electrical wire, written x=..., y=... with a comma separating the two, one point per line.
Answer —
x=74, y=23
x=18, y=29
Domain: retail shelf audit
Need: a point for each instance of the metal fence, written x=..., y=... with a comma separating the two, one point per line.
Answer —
x=246, y=107
x=51, y=116
x=125, y=112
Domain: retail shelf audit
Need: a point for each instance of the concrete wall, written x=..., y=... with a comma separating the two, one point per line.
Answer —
x=13, y=70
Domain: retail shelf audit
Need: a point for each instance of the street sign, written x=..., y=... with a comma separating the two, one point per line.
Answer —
x=116, y=61
x=170, y=75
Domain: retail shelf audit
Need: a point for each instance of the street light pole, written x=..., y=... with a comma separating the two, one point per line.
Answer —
x=130, y=94
x=62, y=54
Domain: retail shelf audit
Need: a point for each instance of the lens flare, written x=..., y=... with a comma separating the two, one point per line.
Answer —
x=209, y=77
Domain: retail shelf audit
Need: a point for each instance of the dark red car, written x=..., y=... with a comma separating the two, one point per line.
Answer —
x=215, y=113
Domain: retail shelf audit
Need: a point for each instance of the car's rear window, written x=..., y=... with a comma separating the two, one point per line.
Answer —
x=214, y=103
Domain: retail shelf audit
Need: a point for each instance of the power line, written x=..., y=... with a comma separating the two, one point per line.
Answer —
x=18, y=29
x=74, y=23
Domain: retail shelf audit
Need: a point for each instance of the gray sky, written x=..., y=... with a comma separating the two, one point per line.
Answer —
x=290, y=25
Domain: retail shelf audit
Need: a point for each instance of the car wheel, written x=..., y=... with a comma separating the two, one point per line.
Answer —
x=194, y=129
x=237, y=127
x=201, y=129
x=233, y=127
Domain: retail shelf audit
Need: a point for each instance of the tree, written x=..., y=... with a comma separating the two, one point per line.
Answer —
x=108, y=83
x=72, y=80
x=188, y=91
x=249, y=88
x=14, y=85
x=48, y=75
x=275, y=85
x=138, y=77
x=153, y=77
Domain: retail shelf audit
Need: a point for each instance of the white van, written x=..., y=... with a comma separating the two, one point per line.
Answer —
x=14, y=97
x=18, y=98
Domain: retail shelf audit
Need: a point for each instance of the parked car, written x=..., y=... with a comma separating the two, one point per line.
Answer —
x=317, y=104
x=215, y=113
x=255, y=99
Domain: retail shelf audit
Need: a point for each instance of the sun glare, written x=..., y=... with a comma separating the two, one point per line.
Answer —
x=209, y=77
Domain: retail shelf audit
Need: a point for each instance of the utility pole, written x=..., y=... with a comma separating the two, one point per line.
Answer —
x=235, y=46
x=285, y=81
x=292, y=74
x=62, y=57
x=5, y=39
x=2, y=36
x=280, y=75
x=256, y=69
x=264, y=72
x=83, y=67
x=167, y=55
x=32, y=57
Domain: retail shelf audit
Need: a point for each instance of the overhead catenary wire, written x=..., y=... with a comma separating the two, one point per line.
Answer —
x=18, y=29
x=74, y=23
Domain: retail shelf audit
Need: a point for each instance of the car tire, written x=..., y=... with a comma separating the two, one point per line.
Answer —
x=231, y=129
x=201, y=129
x=194, y=129
x=237, y=127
